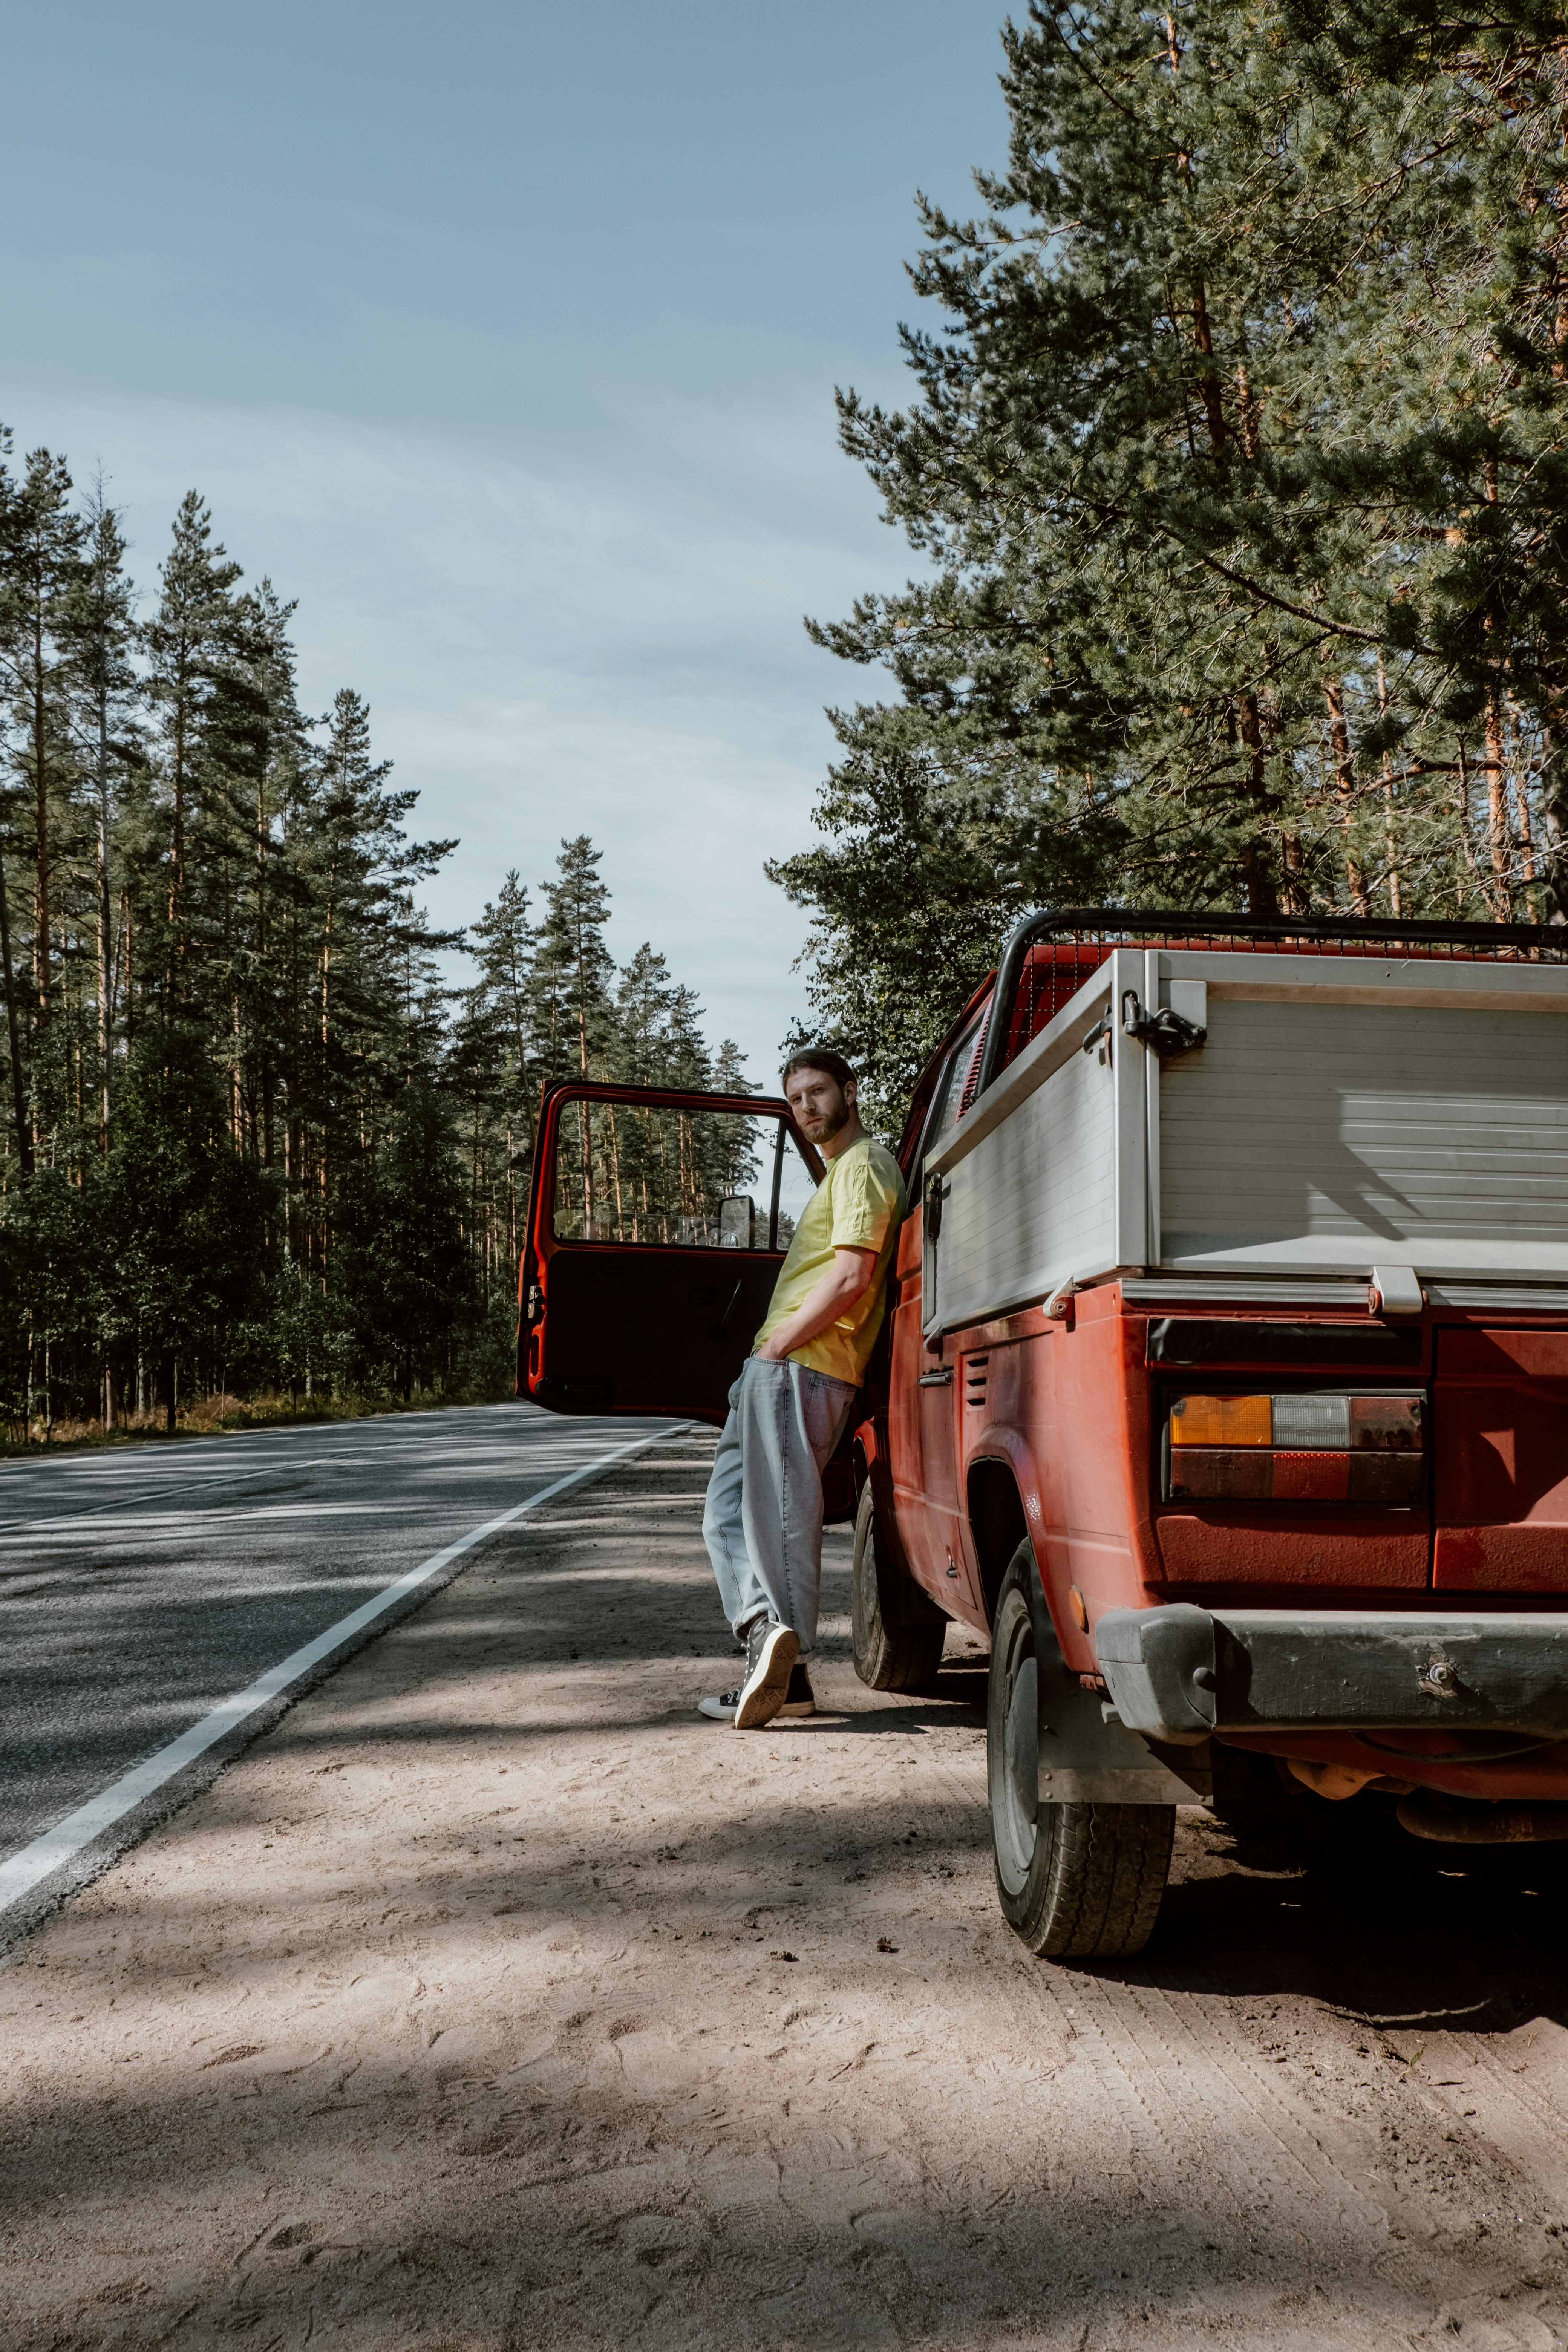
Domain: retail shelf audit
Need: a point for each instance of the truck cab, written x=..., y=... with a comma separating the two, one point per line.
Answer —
x=1224, y=1386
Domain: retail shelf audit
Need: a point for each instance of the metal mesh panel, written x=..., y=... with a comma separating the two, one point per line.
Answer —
x=972, y=1073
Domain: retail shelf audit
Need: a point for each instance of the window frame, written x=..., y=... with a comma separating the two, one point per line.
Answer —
x=557, y=1103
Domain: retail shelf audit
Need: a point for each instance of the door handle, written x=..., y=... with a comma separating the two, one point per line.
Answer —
x=942, y=1379
x=723, y=1325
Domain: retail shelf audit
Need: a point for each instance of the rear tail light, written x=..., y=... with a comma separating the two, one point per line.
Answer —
x=1319, y=1448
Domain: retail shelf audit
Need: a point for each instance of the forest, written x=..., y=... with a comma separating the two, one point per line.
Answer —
x=1233, y=471
x=256, y=1142
x=1234, y=478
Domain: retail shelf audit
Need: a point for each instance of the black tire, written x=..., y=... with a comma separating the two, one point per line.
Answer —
x=1075, y=1882
x=898, y=1633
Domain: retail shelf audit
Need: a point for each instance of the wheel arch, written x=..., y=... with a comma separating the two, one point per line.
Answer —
x=1004, y=1508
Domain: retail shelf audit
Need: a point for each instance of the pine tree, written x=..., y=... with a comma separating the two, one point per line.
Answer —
x=10, y=535
x=505, y=950
x=101, y=636
x=44, y=540
x=182, y=1216
x=1236, y=466
x=645, y=1003
x=730, y=1070
x=407, y=1278
x=575, y=1017
x=572, y=965
x=279, y=1149
x=281, y=787
x=502, y=1004
x=192, y=643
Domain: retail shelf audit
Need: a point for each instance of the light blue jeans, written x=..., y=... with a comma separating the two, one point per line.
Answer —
x=762, y=1523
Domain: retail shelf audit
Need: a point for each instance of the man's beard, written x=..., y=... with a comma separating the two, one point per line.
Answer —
x=832, y=1120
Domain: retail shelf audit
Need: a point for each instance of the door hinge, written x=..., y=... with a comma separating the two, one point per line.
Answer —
x=1394, y=1291
x=1165, y=1032
x=936, y=1193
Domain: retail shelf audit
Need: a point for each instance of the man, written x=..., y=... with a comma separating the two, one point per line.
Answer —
x=763, y=1523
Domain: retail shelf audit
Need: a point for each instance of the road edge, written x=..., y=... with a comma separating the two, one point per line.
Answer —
x=29, y=1909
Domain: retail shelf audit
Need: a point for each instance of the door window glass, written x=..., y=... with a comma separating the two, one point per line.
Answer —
x=675, y=1176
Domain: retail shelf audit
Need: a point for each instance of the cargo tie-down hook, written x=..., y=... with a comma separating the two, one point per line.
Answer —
x=1098, y=1041
x=1165, y=1032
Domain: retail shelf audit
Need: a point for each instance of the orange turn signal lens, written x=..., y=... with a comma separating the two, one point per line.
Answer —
x=1222, y=1420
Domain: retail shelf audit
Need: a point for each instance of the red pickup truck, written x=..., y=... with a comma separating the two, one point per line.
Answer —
x=1224, y=1382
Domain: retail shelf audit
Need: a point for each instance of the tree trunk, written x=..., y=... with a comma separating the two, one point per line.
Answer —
x=1208, y=379
x=1389, y=837
x=105, y=922
x=186, y=661
x=1257, y=859
x=13, y=1033
x=1345, y=787
x=43, y=916
x=1462, y=813
x=1497, y=833
x=1554, y=814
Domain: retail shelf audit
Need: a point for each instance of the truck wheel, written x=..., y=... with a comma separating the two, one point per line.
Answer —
x=1076, y=1881
x=898, y=1633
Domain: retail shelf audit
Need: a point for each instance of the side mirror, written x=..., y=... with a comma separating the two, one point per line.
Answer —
x=737, y=1221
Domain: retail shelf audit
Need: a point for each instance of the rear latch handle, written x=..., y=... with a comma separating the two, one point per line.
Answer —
x=1165, y=1032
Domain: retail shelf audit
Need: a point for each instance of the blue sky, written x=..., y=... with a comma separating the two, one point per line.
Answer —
x=504, y=339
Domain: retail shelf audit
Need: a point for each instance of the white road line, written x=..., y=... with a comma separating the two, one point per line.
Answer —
x=54, y=1848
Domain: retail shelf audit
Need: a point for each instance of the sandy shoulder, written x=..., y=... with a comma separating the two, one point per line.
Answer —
x=496, y=2000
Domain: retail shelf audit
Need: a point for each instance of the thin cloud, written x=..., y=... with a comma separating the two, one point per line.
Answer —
x=614, y=649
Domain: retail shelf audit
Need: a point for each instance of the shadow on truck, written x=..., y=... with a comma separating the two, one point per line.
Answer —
x=1224, y=1388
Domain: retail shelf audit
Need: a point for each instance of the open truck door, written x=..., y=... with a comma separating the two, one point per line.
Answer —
x=657, y=1225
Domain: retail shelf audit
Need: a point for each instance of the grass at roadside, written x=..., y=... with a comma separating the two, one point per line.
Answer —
x=215, y=1415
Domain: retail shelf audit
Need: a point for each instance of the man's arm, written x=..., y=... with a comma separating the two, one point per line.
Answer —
x=846, y=1279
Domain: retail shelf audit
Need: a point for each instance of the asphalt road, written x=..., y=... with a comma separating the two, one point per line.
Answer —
x=141, y=1588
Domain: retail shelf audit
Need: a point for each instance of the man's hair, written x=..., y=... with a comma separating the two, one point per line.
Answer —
x=818, y=1057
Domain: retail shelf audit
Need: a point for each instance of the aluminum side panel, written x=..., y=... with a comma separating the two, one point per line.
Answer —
x=1309, y=1132
x=1034, y=1203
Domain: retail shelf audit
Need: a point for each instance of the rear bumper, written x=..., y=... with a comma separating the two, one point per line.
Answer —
x=1184, y=1674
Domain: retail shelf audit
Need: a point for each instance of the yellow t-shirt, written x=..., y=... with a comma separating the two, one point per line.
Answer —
x=859, y=1205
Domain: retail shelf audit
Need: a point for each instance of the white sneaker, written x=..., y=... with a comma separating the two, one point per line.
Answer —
x=772, y=1650
x=719, y=1705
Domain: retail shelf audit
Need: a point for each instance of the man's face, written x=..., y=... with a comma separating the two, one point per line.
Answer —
x=820, y=1104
